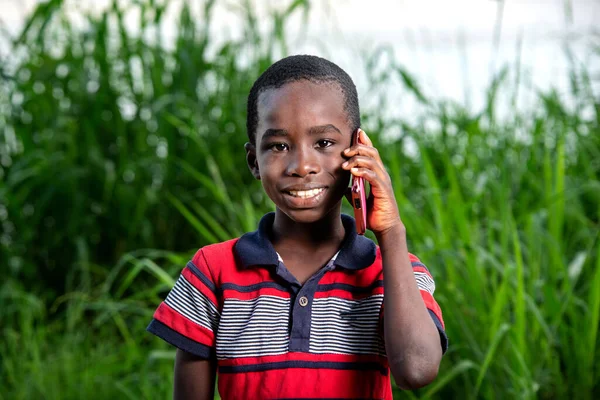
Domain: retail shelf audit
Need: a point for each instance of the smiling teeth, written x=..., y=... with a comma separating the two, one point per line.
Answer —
x=305, y=194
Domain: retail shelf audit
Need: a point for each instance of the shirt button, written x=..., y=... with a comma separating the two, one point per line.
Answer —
x=303, y=301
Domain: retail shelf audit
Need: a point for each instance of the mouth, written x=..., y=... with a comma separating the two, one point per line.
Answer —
x=305, y=194
x=304, y=198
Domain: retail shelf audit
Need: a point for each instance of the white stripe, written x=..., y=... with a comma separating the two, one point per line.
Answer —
x=337, y=327
x=251, y=342
x=343, y=326
x=259, y=327
x=189, y=312
x=366, y=303
x=243, y=315
x=250, y=338
x=357, y=314
x=377, y=347
x=340, y=349
x=235, y=352
x=192, y=301
x=253, y=353
x=331, y=324
x=425, y=282
x=193, y=304
x=252, y=328
x=263, y=300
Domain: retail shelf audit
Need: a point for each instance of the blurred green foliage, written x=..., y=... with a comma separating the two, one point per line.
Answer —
x=121, y=153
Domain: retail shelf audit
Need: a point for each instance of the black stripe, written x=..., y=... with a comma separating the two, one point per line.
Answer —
x=178, y=340
x=443, y=336
x=349, y=288
x=252, y=288
x=365, y=366
x=419, y=264
x=196, y=271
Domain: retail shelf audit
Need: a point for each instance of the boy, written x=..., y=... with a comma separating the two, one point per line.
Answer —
x=296, y=308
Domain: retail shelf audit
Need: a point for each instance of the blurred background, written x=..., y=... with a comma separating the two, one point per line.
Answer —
x=122, y=126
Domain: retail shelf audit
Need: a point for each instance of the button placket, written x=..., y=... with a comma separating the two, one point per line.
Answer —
x=301, y=312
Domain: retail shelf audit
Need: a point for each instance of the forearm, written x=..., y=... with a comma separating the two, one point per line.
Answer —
x=412, y=340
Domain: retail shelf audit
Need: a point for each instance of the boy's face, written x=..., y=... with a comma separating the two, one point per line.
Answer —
x=301, y=133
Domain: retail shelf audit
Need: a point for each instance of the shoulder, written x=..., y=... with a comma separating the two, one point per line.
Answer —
x=216, y=257
x=216, y=251
x=415, y=262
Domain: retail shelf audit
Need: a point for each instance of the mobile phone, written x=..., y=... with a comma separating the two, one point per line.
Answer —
x=359, y=202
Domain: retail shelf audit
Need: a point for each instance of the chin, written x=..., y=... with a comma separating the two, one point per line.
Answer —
x=310, y=215
x=304, y=216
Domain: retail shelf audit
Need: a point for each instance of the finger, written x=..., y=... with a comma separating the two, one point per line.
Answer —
x=367, y=162
x=379, y=187
x=369, y=175
x=362, y=149
x=364, y=139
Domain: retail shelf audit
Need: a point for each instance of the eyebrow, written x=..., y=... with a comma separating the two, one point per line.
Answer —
x=274, y=133
x=315, y=130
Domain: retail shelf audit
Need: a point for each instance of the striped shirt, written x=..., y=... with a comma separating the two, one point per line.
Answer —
x=275, y=338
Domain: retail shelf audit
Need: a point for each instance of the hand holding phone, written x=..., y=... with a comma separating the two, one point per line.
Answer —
x=359, y=202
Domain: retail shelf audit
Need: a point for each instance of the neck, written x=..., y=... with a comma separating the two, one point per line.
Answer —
x=329, y=230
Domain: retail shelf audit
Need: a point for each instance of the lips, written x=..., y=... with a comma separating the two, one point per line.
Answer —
x=302, y=188
x=306, y=194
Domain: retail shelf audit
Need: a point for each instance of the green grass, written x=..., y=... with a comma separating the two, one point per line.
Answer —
x=119, y=158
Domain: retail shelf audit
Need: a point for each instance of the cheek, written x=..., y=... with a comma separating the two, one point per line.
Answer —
x=268, y=173
x=263, y=163
x=336, y=168
x=269, y=188
x=342, y=176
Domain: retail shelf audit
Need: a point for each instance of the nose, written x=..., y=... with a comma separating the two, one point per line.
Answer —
x=302, y=162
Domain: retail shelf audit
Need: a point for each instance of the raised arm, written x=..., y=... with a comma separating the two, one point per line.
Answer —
x=412, y=340
x=413, y=343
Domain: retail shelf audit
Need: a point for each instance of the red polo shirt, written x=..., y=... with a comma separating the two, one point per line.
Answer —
x=274, y=338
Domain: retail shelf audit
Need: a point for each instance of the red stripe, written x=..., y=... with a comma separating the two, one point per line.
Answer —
x=413, y=258
x=364, y=277
x=198, y=284
x=306, y=383
x=183, y=326
x=431, y=304
x=296, y=356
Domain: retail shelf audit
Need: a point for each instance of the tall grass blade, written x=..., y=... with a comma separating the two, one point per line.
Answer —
x=493, y=347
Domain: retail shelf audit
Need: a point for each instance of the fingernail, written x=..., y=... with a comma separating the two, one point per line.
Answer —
x=345, y=164
x=346, y=151
x=354, y=169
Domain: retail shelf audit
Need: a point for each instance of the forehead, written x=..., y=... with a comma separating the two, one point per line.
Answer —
x=300, y=105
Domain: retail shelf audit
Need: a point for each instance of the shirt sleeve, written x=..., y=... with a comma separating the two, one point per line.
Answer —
x=189, y=316
x=426, y=286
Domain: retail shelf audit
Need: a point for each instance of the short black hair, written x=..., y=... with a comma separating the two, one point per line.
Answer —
x=302, y=67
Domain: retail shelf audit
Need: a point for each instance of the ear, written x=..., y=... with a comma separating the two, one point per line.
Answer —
x=251, y=159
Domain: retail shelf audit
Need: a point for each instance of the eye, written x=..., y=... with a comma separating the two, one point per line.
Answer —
x=323, y=143
x=278, y=147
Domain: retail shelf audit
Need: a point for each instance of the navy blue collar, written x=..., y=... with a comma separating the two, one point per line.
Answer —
x=255, y=248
